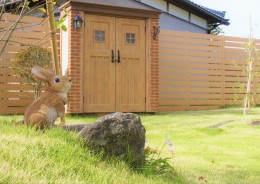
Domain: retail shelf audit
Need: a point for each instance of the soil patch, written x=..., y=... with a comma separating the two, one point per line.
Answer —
x=255, y=123
x=221, y=124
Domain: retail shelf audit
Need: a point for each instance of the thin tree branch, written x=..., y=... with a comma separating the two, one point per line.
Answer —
x=2, y=10
x=13, y=26
x=12, y=2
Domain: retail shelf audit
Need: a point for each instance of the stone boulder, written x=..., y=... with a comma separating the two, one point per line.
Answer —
x=118, y=134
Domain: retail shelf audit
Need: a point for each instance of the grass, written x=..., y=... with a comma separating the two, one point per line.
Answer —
x=229, y=154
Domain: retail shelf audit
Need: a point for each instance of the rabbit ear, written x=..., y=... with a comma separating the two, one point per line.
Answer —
x=42, y=74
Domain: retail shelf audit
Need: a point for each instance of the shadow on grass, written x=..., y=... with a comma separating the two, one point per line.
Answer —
x=211, y=131
x=217, y=112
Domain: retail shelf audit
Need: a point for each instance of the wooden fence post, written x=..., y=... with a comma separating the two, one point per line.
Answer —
x=223, y=72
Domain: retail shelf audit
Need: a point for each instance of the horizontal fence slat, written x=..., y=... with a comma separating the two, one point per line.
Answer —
x=12, y=110
x=15, y=103
x=23, y=27
x=17, y=94
x=10, y=79
x=190, y=95
x=25, y=19
x=188, y=58
x=235, y=39
x=189, y=102
x=6, y=87
x=6, y=71
x=192, y=65
x=190, y=90
x=186, y=108
x=176, y=77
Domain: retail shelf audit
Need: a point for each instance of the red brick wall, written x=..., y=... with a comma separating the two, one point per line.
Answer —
x=75, y=98
x=154, y=67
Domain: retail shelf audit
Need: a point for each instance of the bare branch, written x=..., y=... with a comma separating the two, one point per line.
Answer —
x=2, y=10
x=13, y=26
x=12, y=2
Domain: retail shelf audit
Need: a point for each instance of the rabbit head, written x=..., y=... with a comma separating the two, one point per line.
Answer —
x=56, y=83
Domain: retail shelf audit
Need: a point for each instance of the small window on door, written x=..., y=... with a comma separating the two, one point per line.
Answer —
x=130, y=38
x=99, y=36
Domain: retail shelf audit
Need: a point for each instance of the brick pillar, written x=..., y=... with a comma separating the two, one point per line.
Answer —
x=76, y=37
x=154, y=67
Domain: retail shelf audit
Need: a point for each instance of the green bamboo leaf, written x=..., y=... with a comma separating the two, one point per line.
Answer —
x=62, y=19
x=64, y=28
x=58, y=25
x=43, y=10
x=65, y=11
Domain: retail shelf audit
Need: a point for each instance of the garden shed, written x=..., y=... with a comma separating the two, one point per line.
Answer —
x=113, y=58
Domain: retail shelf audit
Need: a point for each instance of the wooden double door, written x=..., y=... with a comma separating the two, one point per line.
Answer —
x=114, y=64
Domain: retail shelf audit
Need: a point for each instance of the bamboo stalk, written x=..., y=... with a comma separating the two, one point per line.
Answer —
x=49, y=4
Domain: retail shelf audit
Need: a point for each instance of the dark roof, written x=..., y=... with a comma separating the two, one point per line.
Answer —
x=213, y=16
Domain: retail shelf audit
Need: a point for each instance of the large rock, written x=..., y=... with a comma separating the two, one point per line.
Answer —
x=117, y=134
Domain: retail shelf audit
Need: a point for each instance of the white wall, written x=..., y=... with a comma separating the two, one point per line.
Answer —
x=198, y=21
x=159, y=4
x=178, y=12
x=65, y=48
x=169, y=22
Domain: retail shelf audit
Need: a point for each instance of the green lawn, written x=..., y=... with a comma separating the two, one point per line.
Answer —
x=228, y=154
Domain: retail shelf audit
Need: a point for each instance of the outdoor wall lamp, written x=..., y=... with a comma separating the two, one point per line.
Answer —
x=156, y=31
x=77, y=22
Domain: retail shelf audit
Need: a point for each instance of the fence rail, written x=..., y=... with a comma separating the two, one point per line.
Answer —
x=15, y=95
x=199, y=71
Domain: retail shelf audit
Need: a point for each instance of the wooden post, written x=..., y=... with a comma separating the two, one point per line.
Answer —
x=49, y=4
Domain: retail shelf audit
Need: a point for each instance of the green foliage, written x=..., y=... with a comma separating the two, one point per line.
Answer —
x=155, y=162
x=60, y=23
x=43, y=10
x=252, y=75
x=26, y=59
x=248, y=74
x=215, y=31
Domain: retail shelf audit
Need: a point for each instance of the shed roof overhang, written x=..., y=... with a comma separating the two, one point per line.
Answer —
x=81, y=5
x=199, y=11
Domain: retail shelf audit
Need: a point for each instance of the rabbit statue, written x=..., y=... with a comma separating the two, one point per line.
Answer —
x=44, y=111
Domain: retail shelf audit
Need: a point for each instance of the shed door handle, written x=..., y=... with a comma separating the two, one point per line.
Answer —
x=118, y=56
x=113, y=56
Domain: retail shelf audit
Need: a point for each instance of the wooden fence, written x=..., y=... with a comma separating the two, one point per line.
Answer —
x=199, y=71
x=15, y=95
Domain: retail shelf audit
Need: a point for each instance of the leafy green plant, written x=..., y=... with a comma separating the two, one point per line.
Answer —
x=251, y=75
x=59, y=24
x=155, y=161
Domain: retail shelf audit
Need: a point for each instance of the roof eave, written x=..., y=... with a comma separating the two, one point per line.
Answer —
x=197, y=10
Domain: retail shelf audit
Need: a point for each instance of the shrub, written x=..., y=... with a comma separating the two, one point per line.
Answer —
x=26, y=59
